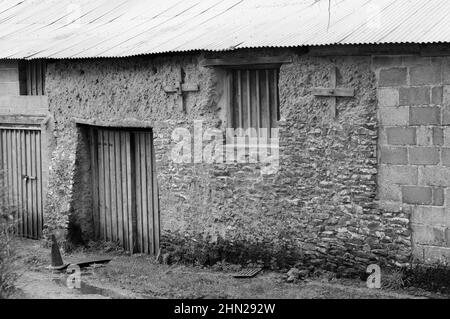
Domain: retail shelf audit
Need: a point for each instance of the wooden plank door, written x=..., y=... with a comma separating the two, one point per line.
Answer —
x=125, y=195
x=147, y=199
x=21, y=164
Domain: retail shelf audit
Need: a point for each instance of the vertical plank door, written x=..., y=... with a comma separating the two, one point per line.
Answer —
x=125, y=188
x=21, y=178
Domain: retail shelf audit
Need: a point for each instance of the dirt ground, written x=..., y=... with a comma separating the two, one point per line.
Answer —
x=141, y=277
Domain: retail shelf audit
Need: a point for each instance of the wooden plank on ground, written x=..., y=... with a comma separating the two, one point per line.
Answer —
x=248, y=273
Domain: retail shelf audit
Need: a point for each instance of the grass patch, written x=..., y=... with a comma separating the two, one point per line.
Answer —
x=8, y=275
x=434, y=277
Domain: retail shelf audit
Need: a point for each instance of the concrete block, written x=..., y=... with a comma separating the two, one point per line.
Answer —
x=388, y=97
x=424, y=116
x=417, y=195
x=425, y=74
x=393, y=155
x=395, y=116
x=424, y=136
x=414, y=60
x=446, y=71
x=437, y=94
x=423, y=155
x=446, y=115
x=393, y=207
x=438, y=136
x=446, y=95
x=438, y=197
x=389, y=192
x=9, y=75
x=446, y=130
x=397, y=174
x=446, y=106
x=447, y=236
x=9, y=88
x=434, y=176
x=8, y=64
x=386, y=61
x=382, y=137
x=414, y=96
x=428, y=215
x=401, y=135
x=445, y=156
x=392, y=77
x=431, y=254
x=428, y=235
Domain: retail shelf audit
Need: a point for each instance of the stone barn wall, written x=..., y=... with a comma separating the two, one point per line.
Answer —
x=414, y=173
x=318, y=208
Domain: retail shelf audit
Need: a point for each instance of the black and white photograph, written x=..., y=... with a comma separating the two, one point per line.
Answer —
x=224, y=156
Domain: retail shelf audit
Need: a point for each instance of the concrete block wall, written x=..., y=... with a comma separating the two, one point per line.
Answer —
x=9, y=77
x=414, y=147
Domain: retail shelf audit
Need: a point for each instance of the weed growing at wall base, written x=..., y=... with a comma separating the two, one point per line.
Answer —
x=8, y=276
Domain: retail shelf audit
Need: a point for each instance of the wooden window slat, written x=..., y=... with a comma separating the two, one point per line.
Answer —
x=258, y=102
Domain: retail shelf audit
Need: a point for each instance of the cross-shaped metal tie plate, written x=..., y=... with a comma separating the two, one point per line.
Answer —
x=333, y=92
x=180, y=88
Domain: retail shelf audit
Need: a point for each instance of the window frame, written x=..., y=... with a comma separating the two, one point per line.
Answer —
x=229, y=93
x=32, y=77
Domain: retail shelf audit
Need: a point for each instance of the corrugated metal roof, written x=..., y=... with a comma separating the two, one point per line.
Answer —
x=117, y=28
